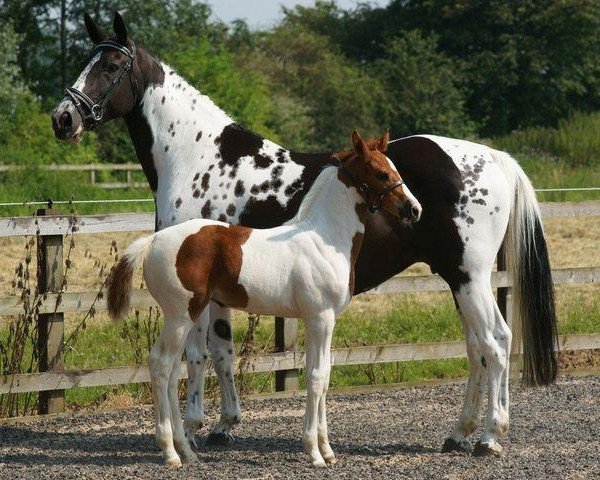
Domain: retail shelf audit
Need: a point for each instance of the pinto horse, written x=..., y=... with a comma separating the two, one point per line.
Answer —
x=200, y=163
x=303, y=269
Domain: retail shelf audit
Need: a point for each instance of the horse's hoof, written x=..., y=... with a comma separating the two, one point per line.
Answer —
x=487, y=450
x=330, y=460
x=221, y=438
x=451, y=445
x=319, y=463
x=173, y=462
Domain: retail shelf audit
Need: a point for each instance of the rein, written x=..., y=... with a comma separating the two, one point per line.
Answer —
x=364, y=189
x=92, y=112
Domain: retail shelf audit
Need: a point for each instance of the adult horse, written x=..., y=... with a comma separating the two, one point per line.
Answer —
x=199, y=163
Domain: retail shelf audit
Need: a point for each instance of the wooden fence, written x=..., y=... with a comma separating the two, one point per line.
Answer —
x=92, y=169
x=287, y=359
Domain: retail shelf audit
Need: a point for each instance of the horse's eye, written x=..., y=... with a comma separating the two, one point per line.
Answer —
x=382, y=176
x=112, y=67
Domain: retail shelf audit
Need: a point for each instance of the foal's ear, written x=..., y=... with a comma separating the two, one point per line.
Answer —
x=94, y=31
x=120, y=29
x=360, y=146
x=382, y=144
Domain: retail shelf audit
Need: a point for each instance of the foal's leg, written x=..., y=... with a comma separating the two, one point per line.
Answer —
x=196, y=365
x=161, y=361
x=179, y=439
x=220, y=343
x=469, y=417
x=319, y=331
x=480, y=311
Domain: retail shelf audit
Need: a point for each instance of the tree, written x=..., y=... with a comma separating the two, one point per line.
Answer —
x=423, y=88
x=338, y=95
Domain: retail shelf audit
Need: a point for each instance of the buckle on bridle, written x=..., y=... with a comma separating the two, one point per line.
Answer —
x=97, y=112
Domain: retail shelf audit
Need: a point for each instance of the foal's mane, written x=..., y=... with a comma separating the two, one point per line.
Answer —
x=347, y=153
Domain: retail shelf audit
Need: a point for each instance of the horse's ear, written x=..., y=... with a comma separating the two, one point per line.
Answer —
x=94, y=31
x=120, y=29
x=360, y=146
x=382, y=144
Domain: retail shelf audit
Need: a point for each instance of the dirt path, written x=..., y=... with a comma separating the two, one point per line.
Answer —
x=555, y=434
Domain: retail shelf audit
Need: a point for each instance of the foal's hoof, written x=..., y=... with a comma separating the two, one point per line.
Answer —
x=173, y=462
x=319, y=463
x=487, y=450
x=330, y=460
x=224, y=439
x=451, y=445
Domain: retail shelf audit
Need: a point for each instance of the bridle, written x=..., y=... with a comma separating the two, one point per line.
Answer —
x=364, y=189
x=92, y=111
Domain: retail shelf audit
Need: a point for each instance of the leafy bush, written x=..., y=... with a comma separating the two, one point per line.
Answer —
x=576, y=141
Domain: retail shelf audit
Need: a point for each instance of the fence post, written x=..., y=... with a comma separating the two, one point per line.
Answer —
x=51, y=327
x=93, y=176
x=286, y=339
x=129, y=178
x=505, y=306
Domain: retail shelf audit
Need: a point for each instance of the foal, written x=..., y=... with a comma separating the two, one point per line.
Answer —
x=303, y=269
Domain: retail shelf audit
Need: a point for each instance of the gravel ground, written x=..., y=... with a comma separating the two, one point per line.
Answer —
x=396, y=433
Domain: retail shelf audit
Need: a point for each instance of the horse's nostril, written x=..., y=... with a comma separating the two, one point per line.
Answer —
x=66, y=121
x=416, y=211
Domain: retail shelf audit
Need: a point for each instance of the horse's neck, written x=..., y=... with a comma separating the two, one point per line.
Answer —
x=175, y=127
x=331, y=208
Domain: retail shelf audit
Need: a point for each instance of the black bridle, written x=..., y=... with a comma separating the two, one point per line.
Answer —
x=364, y=189
x=92, y=111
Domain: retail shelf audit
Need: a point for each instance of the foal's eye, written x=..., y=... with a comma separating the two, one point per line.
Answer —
x=382, y=176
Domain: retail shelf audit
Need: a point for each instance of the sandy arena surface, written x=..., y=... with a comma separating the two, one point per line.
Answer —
x=395, y=433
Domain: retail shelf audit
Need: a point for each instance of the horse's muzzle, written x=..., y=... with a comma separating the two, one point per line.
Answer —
x=410, y=211
x=66, y=123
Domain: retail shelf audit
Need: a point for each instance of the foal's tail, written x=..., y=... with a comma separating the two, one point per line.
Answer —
x=533, y=292
x=119, y=282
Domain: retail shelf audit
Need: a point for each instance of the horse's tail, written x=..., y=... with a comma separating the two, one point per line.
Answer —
x=120, y=279
x=527, y=259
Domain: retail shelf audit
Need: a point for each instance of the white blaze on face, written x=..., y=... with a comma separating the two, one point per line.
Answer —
x=411, y=198
x=67, y=103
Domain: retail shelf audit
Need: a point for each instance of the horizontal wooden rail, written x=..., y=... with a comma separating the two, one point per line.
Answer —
x=123, y=222
x=83, y=167
x=34, y=382
x=82, y=301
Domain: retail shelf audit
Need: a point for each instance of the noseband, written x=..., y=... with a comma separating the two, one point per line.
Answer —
x=92, y=112
x=364, y=189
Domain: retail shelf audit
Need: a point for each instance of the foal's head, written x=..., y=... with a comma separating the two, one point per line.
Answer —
x=367, y=168
x=110, y=85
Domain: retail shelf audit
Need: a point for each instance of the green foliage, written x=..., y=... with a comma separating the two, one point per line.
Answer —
x=576, y=141
x=436, y=105
x=338, y=94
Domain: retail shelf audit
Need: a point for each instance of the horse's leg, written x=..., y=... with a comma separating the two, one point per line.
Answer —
x=469, y=416
x=319, y=331
x=497, y=419
x=180, y=441
x=161, y=360
x=481, y=313
x=220, y=342
x=196, y=365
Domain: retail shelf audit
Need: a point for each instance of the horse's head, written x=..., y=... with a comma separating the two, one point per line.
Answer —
x=109, y=86
x=375, y=177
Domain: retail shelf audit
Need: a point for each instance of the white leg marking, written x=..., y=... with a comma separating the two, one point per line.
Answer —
x=196, y=352
x=481, y=313
x=318, y=366
x=165, y=352
x=222, y=355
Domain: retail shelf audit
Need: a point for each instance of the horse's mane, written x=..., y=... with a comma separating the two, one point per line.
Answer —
x=345, y=154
